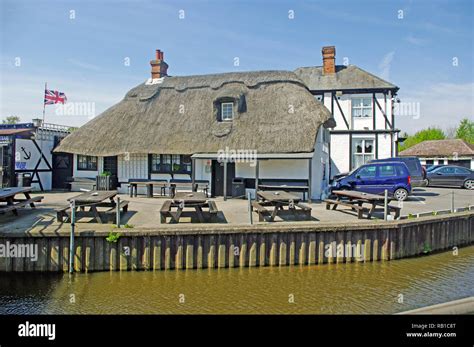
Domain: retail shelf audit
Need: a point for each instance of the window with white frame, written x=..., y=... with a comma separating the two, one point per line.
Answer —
x=363, y=152
x=227, y=111
x=361, y=107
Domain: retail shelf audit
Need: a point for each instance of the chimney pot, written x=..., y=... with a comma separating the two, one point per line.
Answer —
x=329, y=60
x=159, y=68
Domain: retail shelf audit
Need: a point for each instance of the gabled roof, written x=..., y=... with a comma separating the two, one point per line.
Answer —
x=440, y=148
x=276, y=114
x=346, y=78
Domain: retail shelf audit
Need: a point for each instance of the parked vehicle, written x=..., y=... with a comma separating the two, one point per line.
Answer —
x=417, y=173
x=375, y=178
x=433, y=167
x=451, y=175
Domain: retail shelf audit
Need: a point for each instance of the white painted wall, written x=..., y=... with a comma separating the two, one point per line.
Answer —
x=27, y=156
x=345, y=101
x=384, y=146
x=87, y=173
x=339, y=153
x=340, y=148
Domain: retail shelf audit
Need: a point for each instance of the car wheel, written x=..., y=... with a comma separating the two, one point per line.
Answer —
x=469, y=184
x=401, y=194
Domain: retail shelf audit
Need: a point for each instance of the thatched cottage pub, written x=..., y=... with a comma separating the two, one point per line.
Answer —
x=253, y=125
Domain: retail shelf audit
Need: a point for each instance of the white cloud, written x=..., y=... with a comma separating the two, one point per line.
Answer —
x=417, y=41
x=83, y=65
x=442, y=105
x=385, y=65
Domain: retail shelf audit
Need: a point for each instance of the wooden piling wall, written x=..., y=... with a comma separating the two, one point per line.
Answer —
x=225, y=246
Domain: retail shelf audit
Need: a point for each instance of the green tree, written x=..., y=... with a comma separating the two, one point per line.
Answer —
x=422, y=135
x=465, y=130
x=11, y=120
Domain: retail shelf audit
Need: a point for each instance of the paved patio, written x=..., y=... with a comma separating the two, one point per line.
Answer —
x=144, y=212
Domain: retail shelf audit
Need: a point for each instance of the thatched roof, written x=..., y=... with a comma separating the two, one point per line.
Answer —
x=345, y=78
x=440, y=148
x=276, y=114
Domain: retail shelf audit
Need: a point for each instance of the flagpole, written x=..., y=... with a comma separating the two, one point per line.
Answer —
x=44, y=103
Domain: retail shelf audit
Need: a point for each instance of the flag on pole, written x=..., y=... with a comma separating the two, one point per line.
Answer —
x=54, y=97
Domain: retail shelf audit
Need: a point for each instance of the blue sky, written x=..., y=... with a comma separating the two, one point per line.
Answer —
x=85, y=56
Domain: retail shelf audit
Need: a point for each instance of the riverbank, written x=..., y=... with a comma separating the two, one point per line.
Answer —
x=357, y=288
x=222, y=246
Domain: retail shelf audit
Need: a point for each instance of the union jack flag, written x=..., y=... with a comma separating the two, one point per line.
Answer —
x=54, y=97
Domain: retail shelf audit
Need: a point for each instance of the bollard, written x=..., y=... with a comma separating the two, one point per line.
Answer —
x=385, y=204
x=71, y=237
x=117, y=213
x=250, y=207
x=452, y=201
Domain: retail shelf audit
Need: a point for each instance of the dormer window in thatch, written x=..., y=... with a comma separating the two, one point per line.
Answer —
x=227, y=111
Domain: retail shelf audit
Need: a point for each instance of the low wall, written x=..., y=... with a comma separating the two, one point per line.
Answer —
x=222, y=246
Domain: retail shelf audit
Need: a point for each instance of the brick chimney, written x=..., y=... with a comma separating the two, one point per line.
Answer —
x=158, y=66
x=329, y=60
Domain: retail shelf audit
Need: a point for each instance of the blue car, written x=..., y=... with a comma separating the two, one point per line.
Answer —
x=374, y=178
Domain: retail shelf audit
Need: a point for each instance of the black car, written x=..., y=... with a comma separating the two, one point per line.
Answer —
x=415, y=169
x=451, y=175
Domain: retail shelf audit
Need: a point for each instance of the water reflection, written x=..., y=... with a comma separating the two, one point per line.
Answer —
x=326, y=289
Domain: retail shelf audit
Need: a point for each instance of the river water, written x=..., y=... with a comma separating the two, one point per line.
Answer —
x=380, y=287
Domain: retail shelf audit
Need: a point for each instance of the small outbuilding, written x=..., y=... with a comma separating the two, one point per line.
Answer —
x=439, y=152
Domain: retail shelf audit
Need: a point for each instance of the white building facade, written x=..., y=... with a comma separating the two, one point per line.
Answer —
x=362, y=106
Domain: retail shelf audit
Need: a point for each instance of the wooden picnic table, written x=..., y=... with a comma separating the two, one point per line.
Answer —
x=177, y=183
x=286, y=188
x=163, y=184
x=181, y=200
x=8, y=196
x=356, y=199
x=133, y=186
x=93, y=200
x=279, y=199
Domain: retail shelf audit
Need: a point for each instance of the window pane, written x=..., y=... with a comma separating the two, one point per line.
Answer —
x=368, y=146
x=387, y=170
x=358, y=146
x=367, y=112
x=367, y=102
x=227, y=110
x=176, y=162
x=368, y=171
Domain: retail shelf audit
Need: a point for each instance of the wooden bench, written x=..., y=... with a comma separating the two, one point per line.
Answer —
x=20, y=203
x=305, y=209
x=110, y=214
x=261, y=210
x=165, y=210
x=360, y=210
x=213, y=209
x=395, y=209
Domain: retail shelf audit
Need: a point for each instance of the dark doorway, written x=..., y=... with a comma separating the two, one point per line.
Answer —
x=217, y=188
x=62, y=170
x=110, y=165
x=7, y=166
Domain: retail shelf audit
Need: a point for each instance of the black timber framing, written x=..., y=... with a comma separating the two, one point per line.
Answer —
x=377, y=131
x=350, y=151
x=340, y=110
x=374, y=124
x=332, y=103
x=357, y=91
x=384, y=115
x=36, y=171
